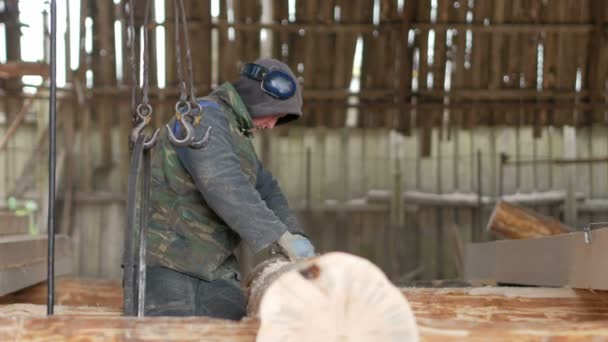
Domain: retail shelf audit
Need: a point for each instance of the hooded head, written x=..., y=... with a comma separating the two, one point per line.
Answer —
x=260, y=104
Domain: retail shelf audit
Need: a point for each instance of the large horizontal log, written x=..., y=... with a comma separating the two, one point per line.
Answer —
x=107, y=328
x=74, y=328
x=484, y=314
x=517, y=304
x=514, y=222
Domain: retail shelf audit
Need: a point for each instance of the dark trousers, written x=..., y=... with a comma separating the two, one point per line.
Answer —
x=171, y=293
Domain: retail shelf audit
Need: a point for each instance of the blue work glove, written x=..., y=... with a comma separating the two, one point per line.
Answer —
x=296, y=246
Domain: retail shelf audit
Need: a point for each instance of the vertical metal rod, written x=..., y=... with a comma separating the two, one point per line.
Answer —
x=308, y=179
x=501, y=174
x=143, y=234
x=439, y=214
x=52, y=151
x=479, y=229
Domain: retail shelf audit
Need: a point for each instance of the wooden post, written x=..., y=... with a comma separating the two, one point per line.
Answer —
x=570, y=206
x=105, y=76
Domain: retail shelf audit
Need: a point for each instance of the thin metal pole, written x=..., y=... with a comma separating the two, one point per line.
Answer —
x=478, y=235
x=52, y=151
x=308, y=179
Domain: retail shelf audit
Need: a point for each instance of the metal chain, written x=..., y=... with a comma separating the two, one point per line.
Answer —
x=134, y=69
x=178, y=55
x=142, y=112
x=188, y=110
x=146, y=82
x=188, y=51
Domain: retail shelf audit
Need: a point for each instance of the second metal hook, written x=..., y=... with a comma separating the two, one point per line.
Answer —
x=189, y=134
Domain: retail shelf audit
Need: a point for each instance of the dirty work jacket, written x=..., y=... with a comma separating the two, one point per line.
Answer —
x=203, y=202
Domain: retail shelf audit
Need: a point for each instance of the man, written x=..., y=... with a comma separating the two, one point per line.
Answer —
x=205, y=201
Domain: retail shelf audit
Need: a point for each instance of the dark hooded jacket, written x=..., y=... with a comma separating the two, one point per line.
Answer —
x=204, y=202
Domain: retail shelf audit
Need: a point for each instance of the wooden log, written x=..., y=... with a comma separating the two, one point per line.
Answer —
x=105, y=328
x=513, y=222
x=333, y=297
x=483, y=314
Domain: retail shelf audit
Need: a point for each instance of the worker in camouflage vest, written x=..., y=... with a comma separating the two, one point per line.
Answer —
x=204, y=202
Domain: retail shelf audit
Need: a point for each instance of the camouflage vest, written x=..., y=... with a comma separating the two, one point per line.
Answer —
x=184, y=233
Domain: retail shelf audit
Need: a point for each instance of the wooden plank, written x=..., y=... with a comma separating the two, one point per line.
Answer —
x=23, y=260
x=420, y=25
x=595, y=78
x=17, y=120
x=249, y=42
x=104, y=75
x=406, y=58
x=422, y=40
x=200, y=40
x=561, y=260
x=70, y=291
x=13, y=224
x=227, y=54
x=14, y=69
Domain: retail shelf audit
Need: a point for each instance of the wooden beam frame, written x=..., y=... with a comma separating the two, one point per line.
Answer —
x=14, y=69
x=303, y=28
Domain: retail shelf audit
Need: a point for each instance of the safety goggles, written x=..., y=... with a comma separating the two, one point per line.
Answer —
x=275, y=83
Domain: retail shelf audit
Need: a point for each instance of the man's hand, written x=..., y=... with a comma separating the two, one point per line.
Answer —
x=296, y=246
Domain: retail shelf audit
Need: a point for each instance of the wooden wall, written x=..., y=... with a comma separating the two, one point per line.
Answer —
x=415, y=123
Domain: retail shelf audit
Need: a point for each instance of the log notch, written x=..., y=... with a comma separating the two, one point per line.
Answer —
x=513, y=222
x=333, y=297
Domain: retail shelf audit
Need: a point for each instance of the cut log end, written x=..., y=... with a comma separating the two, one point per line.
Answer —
x=509, y=221
x=334, y=297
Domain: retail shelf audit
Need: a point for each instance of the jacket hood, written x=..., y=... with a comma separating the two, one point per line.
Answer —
x=260, y=104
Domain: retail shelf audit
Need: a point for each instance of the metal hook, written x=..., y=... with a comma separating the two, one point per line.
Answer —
x=149, y=142
x=197, y=114
x=203, y=142
x=182, y=111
